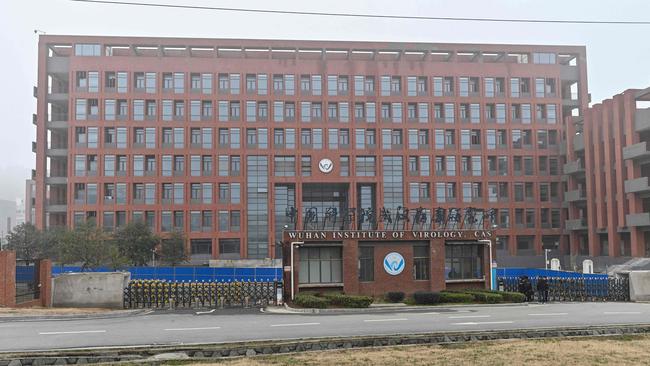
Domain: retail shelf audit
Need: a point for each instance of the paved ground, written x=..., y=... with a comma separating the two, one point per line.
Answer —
x=241, y=325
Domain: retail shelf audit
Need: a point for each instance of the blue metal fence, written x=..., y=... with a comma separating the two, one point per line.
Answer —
x=537, y=272
x=189, y=273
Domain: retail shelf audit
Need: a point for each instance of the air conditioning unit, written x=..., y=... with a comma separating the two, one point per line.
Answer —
x=108, y=197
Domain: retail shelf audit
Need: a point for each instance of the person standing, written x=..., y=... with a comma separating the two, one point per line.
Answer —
x=542, y=289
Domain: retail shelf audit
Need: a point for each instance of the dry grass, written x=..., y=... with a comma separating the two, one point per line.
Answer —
x=631, y=350
x=35, y=311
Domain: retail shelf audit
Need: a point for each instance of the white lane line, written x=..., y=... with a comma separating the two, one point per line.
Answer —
x=385, y=320
x=293, y=325
x=621, y=312
x=548, y=314
x=206, y=312
x=184, y=329
x=431, y=313
x=73, y=332
x=479, y=323
x=469, y=316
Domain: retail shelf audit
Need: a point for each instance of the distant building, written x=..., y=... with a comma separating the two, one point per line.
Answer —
x=30, y=200
x=7, y=216
x=20, y=211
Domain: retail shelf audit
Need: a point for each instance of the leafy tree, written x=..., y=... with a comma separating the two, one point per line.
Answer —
x=172, y=249
x=85, y=244
x=114, y=257
x=27, y=241
x=135, y=242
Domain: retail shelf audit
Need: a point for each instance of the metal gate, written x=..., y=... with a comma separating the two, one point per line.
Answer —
x=577, y=289
x=27, y=288
x=163, y=294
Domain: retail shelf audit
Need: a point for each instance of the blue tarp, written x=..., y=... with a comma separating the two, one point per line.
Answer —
x=189, y=273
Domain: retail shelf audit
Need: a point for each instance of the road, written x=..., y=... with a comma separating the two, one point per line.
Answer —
x=242, y=325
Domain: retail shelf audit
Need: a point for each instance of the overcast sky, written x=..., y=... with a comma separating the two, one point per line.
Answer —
x=617, y=56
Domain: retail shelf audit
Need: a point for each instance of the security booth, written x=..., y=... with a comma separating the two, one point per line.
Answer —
x=374, y=262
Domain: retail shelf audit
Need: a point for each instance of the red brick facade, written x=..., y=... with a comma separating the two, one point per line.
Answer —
x=608, y=192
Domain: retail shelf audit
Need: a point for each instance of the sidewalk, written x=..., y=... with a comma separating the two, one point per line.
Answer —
x=39, y=314
x=381, y=308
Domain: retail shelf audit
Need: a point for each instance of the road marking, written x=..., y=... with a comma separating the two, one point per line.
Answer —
x=549, y=314
x=431, y=313
x=73, y=332
x=293, y=325
x=469, y=316
x=621, y=312
x=206, y=312
x=478, y=323
x=385, y=320
x=183, y=329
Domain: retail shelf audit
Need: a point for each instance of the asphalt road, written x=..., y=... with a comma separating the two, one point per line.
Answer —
x=232, y=326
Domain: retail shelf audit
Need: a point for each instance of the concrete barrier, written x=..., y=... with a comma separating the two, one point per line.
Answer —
x=91, y=290
x=639, y=285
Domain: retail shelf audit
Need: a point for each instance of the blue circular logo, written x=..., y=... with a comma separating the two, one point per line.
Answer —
x=394, y=263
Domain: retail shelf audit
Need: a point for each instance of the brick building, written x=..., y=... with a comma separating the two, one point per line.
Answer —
x=235, y=141
x=608, y=169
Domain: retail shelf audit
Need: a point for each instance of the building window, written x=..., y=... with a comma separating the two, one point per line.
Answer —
x=366, y=264
x=421, y=262
x=463, y=261
x=321, y=265
x=229, y=249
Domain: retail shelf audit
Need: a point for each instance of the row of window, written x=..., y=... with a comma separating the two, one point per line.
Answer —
x=230, y=193
x=283, y=111
x=285, y=165
x=316, y=138
x=314, y=85
x=145, y=193
x=199, y=221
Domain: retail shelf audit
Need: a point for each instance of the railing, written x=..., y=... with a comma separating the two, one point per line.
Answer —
x=162, y=294
x=586, y=288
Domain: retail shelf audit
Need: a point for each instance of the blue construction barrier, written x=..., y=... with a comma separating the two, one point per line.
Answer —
x=537, y=272
x=25, y=274
x=189, y=273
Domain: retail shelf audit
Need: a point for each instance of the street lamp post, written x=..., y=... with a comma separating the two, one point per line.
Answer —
x=292, y=280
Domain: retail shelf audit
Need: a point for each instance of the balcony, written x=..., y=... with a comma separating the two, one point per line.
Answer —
x=56, y=180
x=574, y=167
x=57, y=152
x=638, y=185
x=569, y=73
x=57, y=97
x=58, y=125
x=579, y=142
x=577, y=224
x=575, y=196
x=637, y=151
x=56, y=208
x=639, y=219
x=58, y=65
x=642, y=120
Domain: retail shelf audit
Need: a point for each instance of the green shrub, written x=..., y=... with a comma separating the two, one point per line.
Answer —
x=455, y=297
x=512, y=296
x=485, y=296
x=395, y=296
x=311, y=301
x=348, y=301
x=426, y=297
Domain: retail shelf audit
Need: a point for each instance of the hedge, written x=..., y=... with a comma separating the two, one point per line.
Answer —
x=348, y=301
x=395, y=296
x=426, y=297
x=486, y=297
x=311, y=301
x=455, y=297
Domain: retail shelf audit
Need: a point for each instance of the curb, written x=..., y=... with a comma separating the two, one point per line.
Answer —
x=111, y=315
x=202, y=352
x=291, y=310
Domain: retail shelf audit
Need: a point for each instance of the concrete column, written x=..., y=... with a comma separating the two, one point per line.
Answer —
x=350, y=266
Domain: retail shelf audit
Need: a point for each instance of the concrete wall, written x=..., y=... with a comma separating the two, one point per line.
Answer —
x=640, y=285
x=101, y=290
